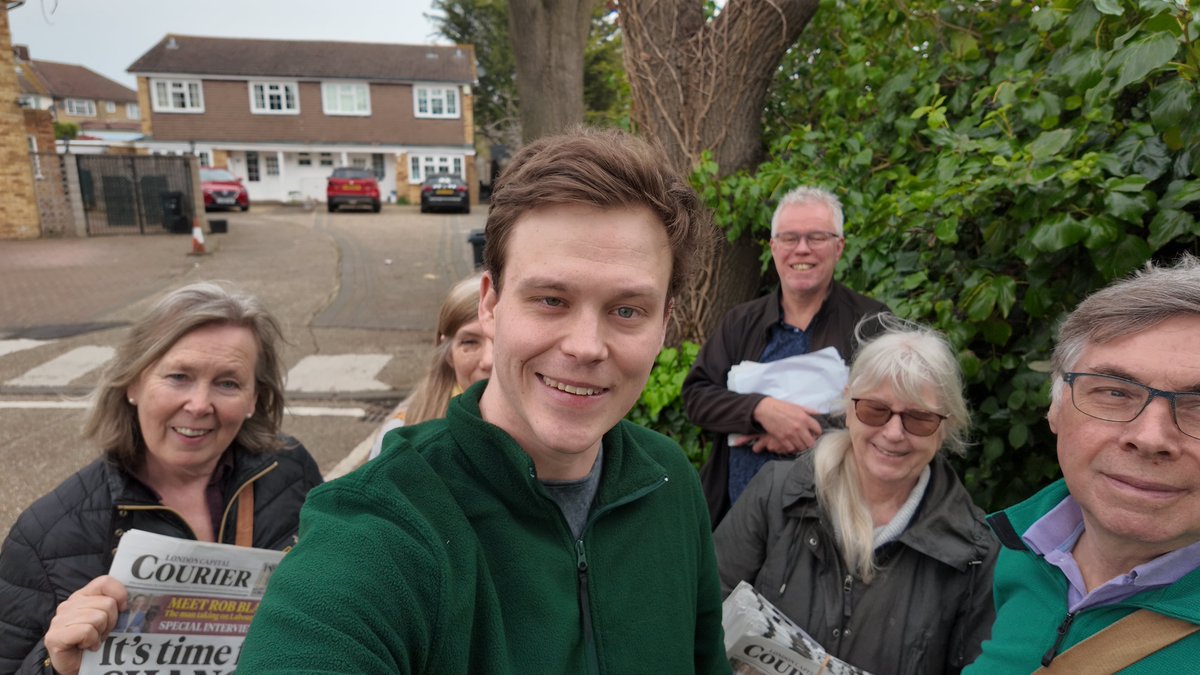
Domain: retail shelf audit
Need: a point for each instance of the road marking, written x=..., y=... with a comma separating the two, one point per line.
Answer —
x=66, y=368
x=313, y=411
x=296, y=411
x=19, y=345
x=44, y=405
x=342, y=372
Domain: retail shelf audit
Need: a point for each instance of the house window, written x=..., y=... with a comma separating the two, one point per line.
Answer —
x=177, y=96
x=274, y=98
x=252, y=166
x=33, y=155
x=359, y=162
x=346, y=98
x=435, y=102
x=326, y=159
x=80, y=107
x=204, y=159
x=377, y=166
x=304, y=159
x=110, y=107
x=272, y=165
x=421, y=166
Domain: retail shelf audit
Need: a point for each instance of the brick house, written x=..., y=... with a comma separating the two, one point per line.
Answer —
x=281, y=114
x=102, y=108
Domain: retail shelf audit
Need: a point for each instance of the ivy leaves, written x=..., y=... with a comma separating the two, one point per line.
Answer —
x=997, y=161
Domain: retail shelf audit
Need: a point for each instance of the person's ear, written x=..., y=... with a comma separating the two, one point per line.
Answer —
x=488, y=297
x=1053, y=413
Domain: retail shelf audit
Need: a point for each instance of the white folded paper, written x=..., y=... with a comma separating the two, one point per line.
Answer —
x=815, y=380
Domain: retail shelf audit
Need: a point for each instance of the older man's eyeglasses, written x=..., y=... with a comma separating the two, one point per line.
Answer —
x=916, y=422
x=1116, y=399
x=813, y=239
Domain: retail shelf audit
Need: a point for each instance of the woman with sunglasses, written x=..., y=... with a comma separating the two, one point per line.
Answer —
x=870, y=542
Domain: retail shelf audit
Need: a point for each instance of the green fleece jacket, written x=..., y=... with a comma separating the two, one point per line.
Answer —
x=1031, y=604
x=446, y=555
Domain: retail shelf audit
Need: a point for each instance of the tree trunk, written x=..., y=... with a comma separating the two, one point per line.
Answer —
x=548, y=40
x=700, y=85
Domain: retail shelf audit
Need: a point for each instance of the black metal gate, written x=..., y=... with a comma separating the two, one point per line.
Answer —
x=136, y=193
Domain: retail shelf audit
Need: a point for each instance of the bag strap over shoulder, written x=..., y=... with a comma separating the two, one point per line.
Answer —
x=245, y=518
x=1120, y=645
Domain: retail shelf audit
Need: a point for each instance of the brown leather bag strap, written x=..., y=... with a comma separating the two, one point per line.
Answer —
x=1120, y=645
x=245, y=518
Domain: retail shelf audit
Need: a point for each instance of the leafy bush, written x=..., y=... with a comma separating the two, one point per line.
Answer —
x=998, y=161
x=661, y=407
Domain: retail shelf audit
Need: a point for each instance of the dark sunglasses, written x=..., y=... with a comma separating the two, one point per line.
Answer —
x=915, y=422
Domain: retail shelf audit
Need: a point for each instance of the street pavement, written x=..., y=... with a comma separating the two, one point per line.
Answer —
x=356, y=293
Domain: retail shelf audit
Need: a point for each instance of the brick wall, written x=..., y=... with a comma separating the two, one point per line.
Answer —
x=227, y=117
x=99, y=120
x=143, y=91
x=18, y=206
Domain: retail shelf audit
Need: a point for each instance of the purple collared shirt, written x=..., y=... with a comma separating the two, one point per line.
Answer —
x=1054, y=535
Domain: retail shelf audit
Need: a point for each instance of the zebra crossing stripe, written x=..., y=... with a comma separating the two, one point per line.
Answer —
x=340, y=372
x=66, y=368
x=19, y=345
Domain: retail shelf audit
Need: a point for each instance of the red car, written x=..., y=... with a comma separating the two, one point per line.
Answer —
x=223, y=190
x=352, y=187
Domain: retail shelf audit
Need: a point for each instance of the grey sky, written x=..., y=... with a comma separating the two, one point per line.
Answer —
x=108, y=35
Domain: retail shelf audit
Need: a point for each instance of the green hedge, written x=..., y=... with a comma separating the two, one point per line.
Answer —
x=998, y=161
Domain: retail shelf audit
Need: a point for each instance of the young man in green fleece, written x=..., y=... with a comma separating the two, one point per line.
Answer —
x=531, y=530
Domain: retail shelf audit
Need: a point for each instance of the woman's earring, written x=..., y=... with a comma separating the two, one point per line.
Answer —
x=131, y=401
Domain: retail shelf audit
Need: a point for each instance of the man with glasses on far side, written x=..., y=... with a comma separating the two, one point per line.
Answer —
x=1100, y=571
x=809, y=312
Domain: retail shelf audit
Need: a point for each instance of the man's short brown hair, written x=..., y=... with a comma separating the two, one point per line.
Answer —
x=605, y=169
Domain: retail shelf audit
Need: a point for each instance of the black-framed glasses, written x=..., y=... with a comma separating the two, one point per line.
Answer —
x=813, y=239
x=1116, y=399
x=877, y=413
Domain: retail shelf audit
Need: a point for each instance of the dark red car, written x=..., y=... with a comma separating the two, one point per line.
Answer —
x=223, y=190
x=352, y=187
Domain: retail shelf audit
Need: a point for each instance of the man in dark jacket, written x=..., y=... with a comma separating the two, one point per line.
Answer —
x=809, y=312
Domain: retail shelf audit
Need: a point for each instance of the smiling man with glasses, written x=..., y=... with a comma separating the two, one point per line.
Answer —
x=1112, y=551
x=809, y=312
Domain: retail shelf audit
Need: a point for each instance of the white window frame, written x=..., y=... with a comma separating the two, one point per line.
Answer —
x=428, y=96
x=281, y=90
x=193, y=100
x=133, y=111
x=79, y=107
x=332, y=94
x=110, y=107
x=419, y=165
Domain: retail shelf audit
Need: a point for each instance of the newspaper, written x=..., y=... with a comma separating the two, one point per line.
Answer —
x=760, y=639
x=190, y=605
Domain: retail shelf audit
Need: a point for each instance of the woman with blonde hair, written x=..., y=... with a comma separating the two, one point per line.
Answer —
x=187, y=418
x=870, y=542
x=461, y=357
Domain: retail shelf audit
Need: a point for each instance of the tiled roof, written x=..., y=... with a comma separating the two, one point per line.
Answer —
x=67, y=80
x=192, y=55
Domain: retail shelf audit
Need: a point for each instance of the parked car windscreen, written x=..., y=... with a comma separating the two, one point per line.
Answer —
x=217, y=176
x=442, y=178
x=357, y=174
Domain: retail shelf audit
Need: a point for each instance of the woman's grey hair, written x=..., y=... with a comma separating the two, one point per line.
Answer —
x=1139, y=302
x=913, y=360
x=112, y=422
x=806, y=194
